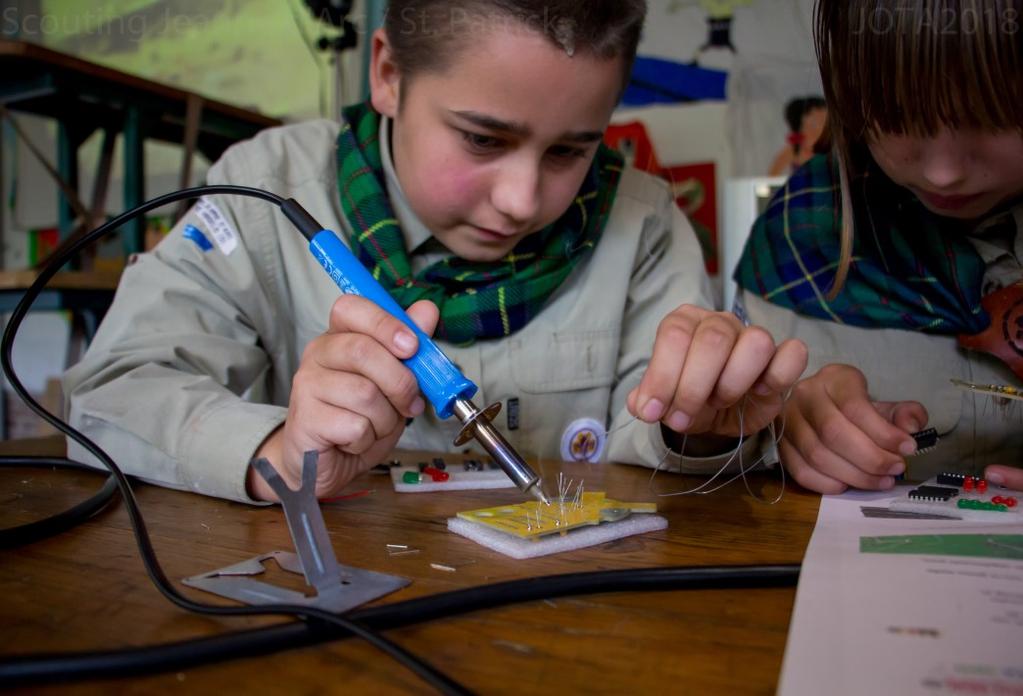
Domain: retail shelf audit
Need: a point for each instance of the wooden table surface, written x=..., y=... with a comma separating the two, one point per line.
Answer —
x=87, y=590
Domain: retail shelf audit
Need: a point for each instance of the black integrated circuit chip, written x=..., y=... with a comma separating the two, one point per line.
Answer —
x=933, y=493
x=925, y=439
x=949, y=478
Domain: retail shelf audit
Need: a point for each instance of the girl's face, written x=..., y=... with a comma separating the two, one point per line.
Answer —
x=496, y=146
x=959, y=174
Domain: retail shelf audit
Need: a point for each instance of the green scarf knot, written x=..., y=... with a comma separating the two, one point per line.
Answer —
x=911, y=269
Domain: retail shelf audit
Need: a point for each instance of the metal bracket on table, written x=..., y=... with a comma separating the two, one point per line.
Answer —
x=338, y=587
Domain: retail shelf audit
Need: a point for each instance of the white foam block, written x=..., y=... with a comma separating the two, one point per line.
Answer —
x=457, y=481
x=556, y=543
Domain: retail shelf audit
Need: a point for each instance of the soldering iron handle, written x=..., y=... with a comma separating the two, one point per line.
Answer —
x=440, y=381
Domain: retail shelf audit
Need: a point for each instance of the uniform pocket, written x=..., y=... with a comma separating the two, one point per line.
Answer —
x=565, y=362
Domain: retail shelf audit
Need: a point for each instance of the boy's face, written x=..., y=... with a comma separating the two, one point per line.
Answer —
x=496, y=146
x=958, y=174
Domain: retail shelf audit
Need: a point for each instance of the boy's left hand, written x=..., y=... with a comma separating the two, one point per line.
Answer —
x=1009, y=476
x=703, y=367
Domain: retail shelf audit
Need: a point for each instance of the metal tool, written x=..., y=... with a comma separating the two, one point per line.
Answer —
x=440, y=380
x=338, y=587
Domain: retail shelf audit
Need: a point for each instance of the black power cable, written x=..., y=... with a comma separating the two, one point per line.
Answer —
x=180, y=655
x=319, y=625
x=55, y=524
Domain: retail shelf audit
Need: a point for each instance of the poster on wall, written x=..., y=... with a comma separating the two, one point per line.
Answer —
x=692, y=70
x=756, y=57
x=692, y=185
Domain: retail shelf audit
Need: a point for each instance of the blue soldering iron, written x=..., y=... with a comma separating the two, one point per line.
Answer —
x=441, y=382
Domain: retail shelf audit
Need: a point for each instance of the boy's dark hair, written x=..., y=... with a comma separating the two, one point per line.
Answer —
x=425, y=35
x=796, y=109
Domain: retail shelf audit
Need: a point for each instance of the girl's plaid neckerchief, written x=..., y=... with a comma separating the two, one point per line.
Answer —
x=477, y=300
x=911, y=269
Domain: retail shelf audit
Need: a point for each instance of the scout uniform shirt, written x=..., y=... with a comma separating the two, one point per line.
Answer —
x=191, y=369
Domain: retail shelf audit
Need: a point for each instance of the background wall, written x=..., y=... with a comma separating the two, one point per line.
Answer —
x=257, y=54
x=718, y=74
x=773, y=61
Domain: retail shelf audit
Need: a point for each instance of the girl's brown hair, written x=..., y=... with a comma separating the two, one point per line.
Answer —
x=426, y=35
x=913, y=67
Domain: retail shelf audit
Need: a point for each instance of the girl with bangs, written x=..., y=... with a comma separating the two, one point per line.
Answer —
x=897, y=256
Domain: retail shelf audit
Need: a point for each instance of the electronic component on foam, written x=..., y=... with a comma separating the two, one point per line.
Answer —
x=958, y=496
x=948, y=478
x=438, y=475
x=939, y=493
x=974, y=484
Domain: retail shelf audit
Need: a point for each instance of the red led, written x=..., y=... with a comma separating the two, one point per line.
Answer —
x=981, y=485
x=968, y=483
x=998, y=500
x=1010, y=502
x=436, y=474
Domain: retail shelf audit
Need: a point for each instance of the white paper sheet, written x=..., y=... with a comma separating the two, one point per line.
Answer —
x=895, y=606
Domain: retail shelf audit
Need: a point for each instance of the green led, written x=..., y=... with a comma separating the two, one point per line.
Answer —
x=981, y=505
x=410, y=477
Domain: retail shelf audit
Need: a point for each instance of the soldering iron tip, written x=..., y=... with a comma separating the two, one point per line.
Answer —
x=537, y=491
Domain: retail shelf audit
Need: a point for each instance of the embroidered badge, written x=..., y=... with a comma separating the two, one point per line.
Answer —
x=583, y=441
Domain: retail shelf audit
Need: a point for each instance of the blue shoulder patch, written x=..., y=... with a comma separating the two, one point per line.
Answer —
x=195, y=234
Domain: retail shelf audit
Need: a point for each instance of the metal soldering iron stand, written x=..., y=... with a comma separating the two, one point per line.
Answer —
x=337, y=587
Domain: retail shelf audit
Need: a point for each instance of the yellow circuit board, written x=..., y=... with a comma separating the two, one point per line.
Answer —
x=533, y=519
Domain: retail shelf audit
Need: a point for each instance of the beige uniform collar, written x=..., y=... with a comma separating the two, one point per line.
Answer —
x=413, y=230
x=1000, y=246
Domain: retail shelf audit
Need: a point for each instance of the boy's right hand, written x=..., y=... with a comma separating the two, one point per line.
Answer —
x=349, y=398
x=836, y=436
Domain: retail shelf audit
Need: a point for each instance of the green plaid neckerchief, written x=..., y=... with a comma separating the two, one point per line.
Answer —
x=476, y=300
x=911, y=269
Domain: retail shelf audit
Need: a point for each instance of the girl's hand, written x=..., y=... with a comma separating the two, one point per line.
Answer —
x=349, y=398
x=708, y=371
x=1008, y=476
x=835, y=436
